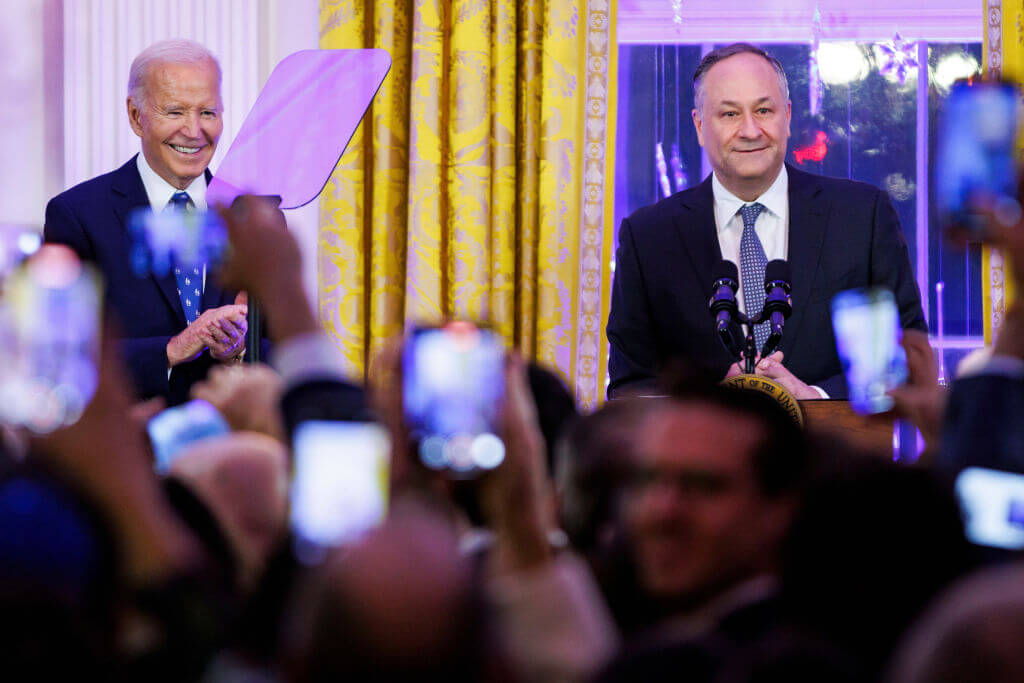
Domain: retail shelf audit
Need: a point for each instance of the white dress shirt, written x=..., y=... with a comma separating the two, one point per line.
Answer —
x=159, y=191
x=772, y=226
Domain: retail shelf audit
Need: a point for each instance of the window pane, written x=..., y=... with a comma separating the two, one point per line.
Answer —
x=957, y=268
x=655, y=101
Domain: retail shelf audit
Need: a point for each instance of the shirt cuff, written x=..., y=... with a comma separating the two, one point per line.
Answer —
x=307, y=357
x=821, y=392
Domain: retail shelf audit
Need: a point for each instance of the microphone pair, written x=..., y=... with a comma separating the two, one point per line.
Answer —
x=777, y=305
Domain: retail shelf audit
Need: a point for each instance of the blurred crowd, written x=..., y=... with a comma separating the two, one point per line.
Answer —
x=699, y=536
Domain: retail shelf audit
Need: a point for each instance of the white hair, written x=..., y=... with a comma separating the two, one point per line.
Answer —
x=173, y=51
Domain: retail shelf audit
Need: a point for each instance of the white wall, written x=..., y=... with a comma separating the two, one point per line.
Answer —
x=289, y=26
x=30, y=110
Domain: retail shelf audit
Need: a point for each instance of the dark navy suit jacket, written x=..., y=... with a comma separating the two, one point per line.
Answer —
x=984, y=424
x=842, y=234
x=92, y=219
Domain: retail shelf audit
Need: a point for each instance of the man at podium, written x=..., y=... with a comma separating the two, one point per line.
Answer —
x=835, y=234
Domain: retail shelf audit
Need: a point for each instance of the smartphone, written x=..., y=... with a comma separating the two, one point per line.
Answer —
x=979, y=128
x=867, y=330
x=339, y=484
x=50, y=319
x=17, y=242
x=161, y=241
x=453, y=385
x=993, y=507
x=172, y=430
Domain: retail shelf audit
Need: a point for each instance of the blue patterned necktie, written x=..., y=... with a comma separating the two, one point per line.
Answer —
x=752, y=265
x=189, y=279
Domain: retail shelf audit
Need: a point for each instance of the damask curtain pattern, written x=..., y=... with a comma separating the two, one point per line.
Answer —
x=477, y=185
x=1003, y=57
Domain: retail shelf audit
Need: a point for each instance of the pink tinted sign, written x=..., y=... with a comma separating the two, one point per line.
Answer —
x=300, y=125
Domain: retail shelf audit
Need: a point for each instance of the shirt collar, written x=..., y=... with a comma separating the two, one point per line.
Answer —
x=159, y=191
x=775, y=199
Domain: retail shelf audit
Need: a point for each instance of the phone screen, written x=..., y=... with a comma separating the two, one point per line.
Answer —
x=868, y=333
x=453, y=386
x=339, y=484
x=993, y=507
x=172, y=430
x=50, y=333
x=975, y=157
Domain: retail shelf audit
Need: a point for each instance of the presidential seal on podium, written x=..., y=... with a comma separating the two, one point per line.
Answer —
x=771, y=388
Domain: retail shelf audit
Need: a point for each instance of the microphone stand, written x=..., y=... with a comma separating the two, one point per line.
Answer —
x=749, y=348
x=253, y=318
x=749, y=351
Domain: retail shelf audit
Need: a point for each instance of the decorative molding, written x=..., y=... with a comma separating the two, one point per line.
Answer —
x=997, y=271
x=997, y=283
x=592, y=262
x=789, y=21
x=994, y=38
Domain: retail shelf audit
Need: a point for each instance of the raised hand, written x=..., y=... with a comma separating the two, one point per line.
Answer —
x=772, y=368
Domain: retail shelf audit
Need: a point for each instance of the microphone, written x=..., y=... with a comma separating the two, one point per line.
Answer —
x=723, y=303
x=777, y=304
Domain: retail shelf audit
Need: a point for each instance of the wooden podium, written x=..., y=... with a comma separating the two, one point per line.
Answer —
x=872, y=433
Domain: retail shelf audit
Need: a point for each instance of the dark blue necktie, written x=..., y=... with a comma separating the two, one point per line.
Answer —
x=189, y=278
x=752, y=265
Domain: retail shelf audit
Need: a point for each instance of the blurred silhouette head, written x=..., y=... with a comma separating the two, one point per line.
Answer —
x=399, y=605
x=242, y=478
x=58, y=578
x=870, y=545
x=972, y=632
x=717, y=474
x=593, y=462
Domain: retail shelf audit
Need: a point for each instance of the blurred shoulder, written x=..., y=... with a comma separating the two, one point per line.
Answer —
x=654, y=218
x=100, y=186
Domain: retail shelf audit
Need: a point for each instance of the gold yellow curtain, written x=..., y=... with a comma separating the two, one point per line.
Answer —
x=479, y=184
x=1003, y=56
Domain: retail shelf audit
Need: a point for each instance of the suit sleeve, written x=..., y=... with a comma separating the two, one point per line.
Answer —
x=146, y=357
x=632, y=357
x=890, y=264
x=982, y=427
x=63, y=227
x=835, y=386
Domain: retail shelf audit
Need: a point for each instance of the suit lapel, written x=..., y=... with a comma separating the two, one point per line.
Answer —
x=695, y=225
x=808, y=223
x=129, y=196
x=213, y=294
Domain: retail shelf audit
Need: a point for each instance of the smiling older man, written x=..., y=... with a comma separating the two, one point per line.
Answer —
x=174, y=326
x=835, y=234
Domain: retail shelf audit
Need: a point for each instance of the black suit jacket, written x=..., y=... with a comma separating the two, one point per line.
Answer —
x=842, y=234
x=92, y=219
x=983, y=425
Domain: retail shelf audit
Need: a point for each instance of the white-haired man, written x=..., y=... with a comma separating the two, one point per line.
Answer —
x=175, y=325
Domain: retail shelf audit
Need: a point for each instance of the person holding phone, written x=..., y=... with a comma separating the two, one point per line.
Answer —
x=836, y=234
x=983, y=425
